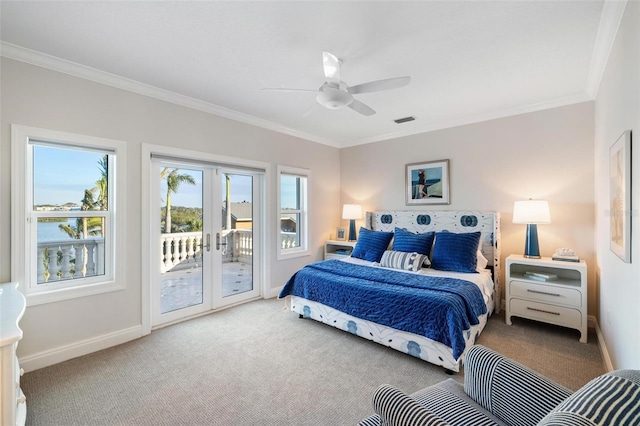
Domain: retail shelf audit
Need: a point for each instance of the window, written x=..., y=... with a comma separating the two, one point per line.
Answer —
x=293, y=208
x=64, y=220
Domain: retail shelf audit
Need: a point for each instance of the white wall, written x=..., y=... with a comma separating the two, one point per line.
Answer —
x=544, y=155
x=37, y=97
x=618, y=109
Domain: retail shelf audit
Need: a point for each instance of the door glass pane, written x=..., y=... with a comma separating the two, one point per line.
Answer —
x=181, y=192
x=236, y=237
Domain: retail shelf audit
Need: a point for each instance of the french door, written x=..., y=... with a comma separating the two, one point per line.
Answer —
x=207, y=226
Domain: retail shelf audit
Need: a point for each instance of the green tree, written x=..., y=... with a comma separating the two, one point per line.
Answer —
x=102, y=186
x=174, y=180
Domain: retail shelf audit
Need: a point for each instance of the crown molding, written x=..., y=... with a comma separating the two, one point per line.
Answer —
x=18, y=53
x=610, y=19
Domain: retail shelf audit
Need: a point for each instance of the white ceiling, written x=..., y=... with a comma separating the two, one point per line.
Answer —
x=469, y=60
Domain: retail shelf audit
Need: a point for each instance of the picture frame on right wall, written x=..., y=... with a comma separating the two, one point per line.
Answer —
x=620, y=196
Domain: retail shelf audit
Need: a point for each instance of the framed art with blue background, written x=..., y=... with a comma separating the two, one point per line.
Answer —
x=427, y=183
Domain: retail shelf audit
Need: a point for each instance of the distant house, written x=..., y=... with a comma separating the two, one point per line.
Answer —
x=242, y=218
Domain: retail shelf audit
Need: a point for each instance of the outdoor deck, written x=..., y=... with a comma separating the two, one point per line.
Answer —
x=182, y=287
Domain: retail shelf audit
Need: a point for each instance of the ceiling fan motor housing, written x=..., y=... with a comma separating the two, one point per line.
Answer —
x=332, y=98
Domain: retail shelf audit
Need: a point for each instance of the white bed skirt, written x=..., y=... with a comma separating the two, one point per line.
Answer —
x=412, y=344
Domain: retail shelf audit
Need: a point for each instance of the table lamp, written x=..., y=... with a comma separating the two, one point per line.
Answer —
x=531, y=213
x=352, y=212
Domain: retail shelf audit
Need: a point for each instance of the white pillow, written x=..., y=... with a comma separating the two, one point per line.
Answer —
x=481, y=261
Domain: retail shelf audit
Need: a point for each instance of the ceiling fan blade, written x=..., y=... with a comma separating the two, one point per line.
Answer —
x=379, y=85
x=363, y=109
x=281, y=89
x=331, y=66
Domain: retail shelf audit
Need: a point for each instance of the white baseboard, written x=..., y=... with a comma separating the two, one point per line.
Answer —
x=606, y=358
x=74, y=350
x=273, y=293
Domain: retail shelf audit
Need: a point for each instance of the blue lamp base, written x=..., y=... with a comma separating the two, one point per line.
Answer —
x=531, y=247
x=352, y=230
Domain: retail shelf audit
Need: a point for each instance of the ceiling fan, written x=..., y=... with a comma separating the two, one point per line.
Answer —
x=335, y=93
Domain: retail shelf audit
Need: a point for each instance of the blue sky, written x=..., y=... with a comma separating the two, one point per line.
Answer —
x=62, y=175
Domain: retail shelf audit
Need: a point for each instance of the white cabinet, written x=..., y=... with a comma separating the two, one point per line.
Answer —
x=13, y=405
x=560, y=299
x=334, y=249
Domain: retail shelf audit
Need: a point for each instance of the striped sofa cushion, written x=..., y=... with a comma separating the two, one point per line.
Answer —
x=401, y=260
x=611, y=399
x=396, y=408
x=512, y=392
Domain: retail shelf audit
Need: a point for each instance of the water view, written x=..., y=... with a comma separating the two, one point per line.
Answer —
x=50, y=231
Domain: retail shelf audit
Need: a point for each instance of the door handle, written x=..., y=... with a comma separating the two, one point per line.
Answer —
x=218, y=243
x=208, y=245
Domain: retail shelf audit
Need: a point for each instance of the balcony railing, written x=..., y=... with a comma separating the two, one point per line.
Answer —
x=67, y=259
x=58, y=260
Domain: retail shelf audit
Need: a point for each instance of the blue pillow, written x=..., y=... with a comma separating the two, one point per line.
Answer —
x=455, y=252
x=409, y=242
x=371, y=244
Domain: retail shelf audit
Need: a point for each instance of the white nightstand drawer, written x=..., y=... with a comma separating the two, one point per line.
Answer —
x=546, y=293
x=548, y=313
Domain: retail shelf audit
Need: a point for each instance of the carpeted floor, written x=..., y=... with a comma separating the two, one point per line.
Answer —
x=256, y=364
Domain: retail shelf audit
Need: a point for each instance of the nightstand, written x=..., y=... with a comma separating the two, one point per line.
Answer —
x=560, y=299
x=334, y=249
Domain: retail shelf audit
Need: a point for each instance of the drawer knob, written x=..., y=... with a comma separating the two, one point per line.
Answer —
x=543, y=292
x=21, y=372
x=543, y=311
x=22, y=399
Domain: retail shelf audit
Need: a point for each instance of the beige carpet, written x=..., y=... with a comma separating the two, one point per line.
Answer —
x=256, y=364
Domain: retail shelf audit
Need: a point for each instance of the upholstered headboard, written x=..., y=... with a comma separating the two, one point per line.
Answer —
x=488, y=223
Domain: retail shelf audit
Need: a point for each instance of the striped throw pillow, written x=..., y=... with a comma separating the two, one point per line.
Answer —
x=402, y=260
x=396, y=408
x=611, y=399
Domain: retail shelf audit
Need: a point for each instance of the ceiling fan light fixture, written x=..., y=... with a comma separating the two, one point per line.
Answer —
x=334, y=98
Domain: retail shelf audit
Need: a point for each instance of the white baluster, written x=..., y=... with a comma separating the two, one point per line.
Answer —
x=99, y=253
x=163, y=266
x=91, y=266
x=66, y=265
x=41, y=269
x=53, y=263
x=183, y=248
x=79, y=249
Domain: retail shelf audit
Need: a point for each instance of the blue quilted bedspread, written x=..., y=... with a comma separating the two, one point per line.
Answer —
x=438, y=308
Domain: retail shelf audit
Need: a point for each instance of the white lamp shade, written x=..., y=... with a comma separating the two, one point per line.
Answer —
x=531, y=211
x=352, y=211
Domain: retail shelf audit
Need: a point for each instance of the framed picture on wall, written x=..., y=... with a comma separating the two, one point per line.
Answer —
x=427, y=183
x=620, y=196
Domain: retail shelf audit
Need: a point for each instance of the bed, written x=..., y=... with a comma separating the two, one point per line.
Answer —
x=385, y=292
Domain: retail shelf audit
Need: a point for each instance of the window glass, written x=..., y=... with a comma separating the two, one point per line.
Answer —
x=293, y=199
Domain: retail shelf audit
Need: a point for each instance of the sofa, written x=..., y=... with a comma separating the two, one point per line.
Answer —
x=500, y=391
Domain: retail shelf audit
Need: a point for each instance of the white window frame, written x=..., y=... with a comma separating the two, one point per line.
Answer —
x=24, y=217
x=303, y=226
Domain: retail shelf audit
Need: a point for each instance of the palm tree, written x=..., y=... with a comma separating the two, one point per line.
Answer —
x=102, y=185
x=174, y=180
x=83, y=228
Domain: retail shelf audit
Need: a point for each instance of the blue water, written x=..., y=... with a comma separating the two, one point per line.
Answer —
x=49, y=231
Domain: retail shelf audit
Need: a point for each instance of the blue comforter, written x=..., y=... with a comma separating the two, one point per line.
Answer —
x=438, y=308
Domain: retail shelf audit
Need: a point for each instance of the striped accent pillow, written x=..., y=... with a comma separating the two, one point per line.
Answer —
x=611, y=399
x=455, y=252
x=404, y=240
x=371, y=244
x=512, y=392
x=401, y=260
x=396, y=408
